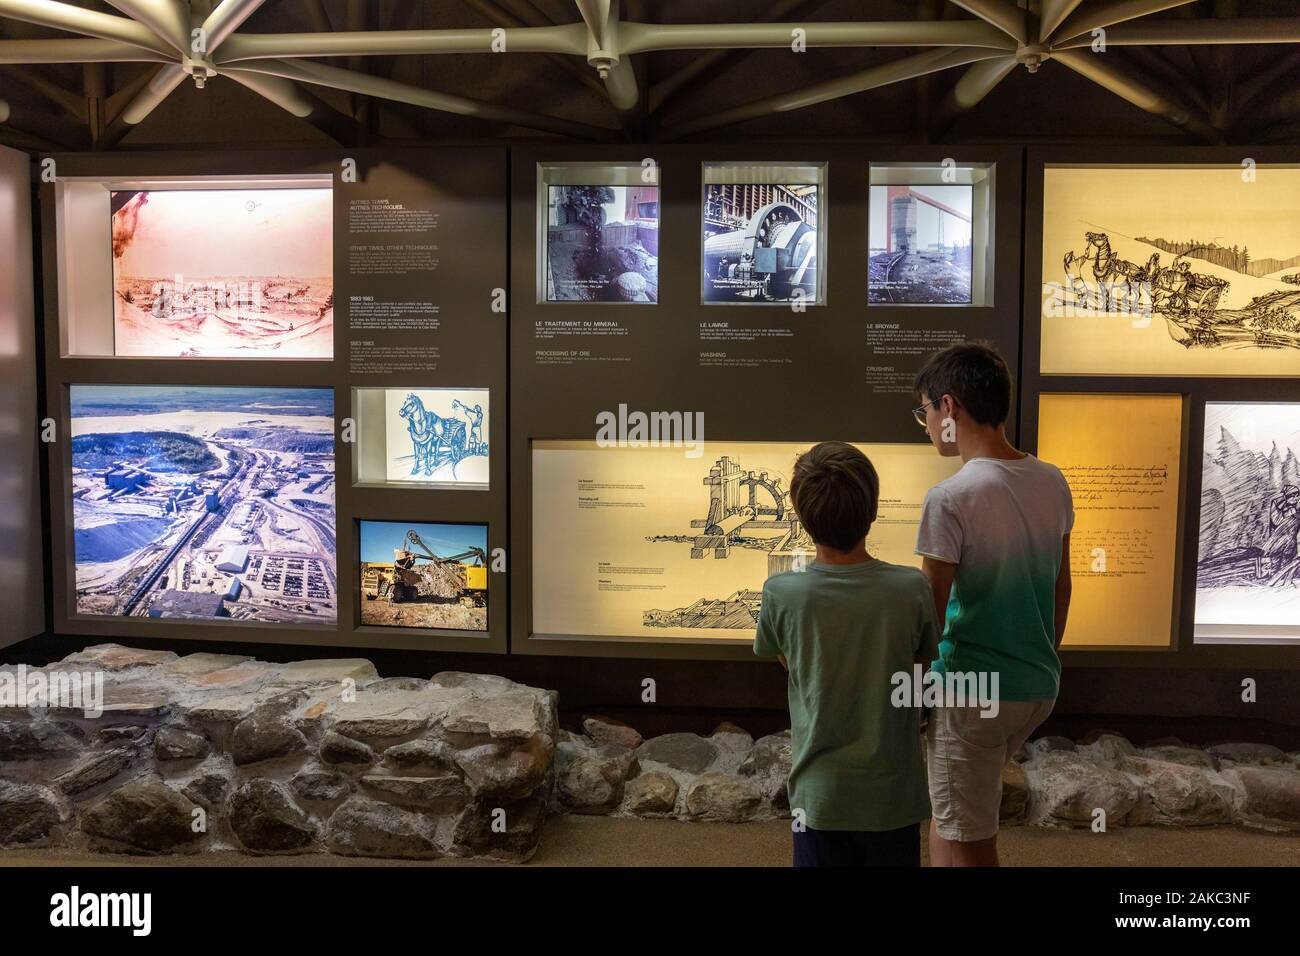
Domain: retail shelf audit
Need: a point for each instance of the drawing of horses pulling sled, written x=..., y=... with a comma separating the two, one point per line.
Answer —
x=1189, y=301
x=1119, y=285
x=435, y=440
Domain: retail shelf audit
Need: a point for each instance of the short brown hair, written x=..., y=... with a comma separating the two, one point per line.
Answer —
x=835, y=492
x=975, y=375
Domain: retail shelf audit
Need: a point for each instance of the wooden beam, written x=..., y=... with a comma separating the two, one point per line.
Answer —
x=69, y=102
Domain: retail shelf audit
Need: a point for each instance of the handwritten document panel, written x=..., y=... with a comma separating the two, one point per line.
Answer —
x=1121, y=456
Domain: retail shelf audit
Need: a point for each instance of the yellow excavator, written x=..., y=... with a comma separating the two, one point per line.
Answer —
x=400, y=581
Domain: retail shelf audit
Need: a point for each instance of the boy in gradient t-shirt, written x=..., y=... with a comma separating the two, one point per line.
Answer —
x=995, y=544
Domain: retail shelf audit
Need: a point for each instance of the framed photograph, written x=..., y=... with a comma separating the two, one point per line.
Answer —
x=760, y=242
x=602, y=243
x=921, y=242
x=930, y=234
x=424, y=575
x=223, y=273
x=204, y=502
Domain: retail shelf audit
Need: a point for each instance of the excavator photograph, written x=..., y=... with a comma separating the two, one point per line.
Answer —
x=420, y=588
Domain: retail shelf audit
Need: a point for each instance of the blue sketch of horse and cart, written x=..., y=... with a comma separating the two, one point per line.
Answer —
x=437, y=440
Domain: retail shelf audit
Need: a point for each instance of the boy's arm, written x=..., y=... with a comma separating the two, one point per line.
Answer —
x=928, y=629
x=940, y=574
x=939, y=542
x=766, y=640
x=1064, y=584
x=1064, y=587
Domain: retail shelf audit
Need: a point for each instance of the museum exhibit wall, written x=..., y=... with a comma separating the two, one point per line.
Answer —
x=503, y=327
x=1161, y=363
x=22, y=559
x=277, y=372
x=750, y=325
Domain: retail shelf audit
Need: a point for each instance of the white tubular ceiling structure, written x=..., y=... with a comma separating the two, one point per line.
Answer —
x=931, y=61
x=1051, y=14
x=77, y=51
x=1103, y=74
x=168, y=19
x=225, y=19
x=1093, y=16
x=307, y=71
x=283, y=93
x=166, y=80
x=1196, y=33
x=1006, y=15
x=976, y=83
x=570, y=39
x=64, y=16
x=649, y=37
x=203, y=38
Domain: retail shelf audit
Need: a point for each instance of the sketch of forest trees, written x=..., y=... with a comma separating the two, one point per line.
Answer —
x=1250, y=516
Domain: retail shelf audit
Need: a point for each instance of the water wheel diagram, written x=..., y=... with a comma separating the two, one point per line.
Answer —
x=748, y=502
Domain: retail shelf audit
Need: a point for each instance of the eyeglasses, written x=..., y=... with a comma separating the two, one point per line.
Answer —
x=919, y=413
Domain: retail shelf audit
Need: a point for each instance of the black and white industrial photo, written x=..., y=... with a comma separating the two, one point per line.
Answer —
x=602, y=244
x=760, y=243
x=920, y=244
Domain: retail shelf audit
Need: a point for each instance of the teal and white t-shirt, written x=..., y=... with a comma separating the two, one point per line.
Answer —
x=1001, y=522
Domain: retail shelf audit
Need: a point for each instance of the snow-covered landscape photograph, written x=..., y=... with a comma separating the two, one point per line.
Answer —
x=204, y=502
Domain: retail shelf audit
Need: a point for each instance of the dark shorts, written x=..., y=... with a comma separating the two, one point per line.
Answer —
x=901, y=847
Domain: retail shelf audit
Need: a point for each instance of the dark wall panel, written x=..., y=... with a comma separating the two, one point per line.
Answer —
x=808, y=385
x=465, y=190
x=22, y=558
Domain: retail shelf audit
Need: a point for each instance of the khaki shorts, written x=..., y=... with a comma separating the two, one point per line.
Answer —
x=965, y=754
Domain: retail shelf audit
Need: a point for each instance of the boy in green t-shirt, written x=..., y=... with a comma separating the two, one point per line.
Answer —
x=844, y=628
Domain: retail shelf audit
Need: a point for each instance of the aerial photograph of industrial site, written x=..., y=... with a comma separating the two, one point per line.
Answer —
x=223, y=273
x=204, y=502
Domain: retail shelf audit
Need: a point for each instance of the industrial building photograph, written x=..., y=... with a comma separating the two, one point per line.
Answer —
x=494, y=440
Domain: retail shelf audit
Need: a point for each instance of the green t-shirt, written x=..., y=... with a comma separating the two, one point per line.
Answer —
x=845, y=630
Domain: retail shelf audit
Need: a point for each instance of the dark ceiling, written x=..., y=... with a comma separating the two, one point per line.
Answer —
x=1244, y=91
